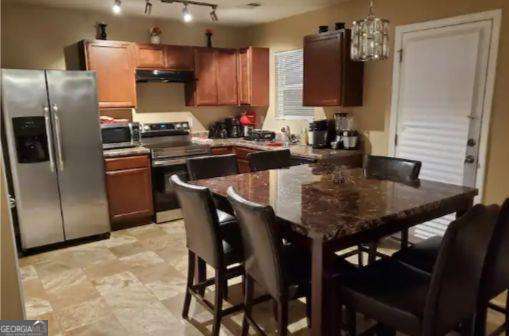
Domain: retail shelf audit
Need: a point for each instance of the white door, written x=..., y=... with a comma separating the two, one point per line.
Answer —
x=442, y=85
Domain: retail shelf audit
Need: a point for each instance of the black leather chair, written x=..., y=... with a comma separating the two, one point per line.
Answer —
x=282, y=270
x=423, y=255
x=205, y=167
x=392, y=169
x=274, y=159
x=209, y=242
x=404, y=298
x=211, y=166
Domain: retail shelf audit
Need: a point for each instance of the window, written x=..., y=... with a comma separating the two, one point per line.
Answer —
x=289, y=74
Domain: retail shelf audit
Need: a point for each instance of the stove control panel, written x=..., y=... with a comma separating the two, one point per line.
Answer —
x=173, y=126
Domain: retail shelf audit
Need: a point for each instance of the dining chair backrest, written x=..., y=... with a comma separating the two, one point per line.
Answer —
x=266, y=160
x=391, y=168
x=261, y=242
x=212, y=166
x=497, y=266
x=200, y=221
x=456, y=278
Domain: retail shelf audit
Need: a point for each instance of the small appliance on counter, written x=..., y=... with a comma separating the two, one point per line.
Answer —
x=261, y=135
x=233, y=127
x=120, y=134
x=218, y=130
x=346, y=135
x=248, y=123
x=322, y=133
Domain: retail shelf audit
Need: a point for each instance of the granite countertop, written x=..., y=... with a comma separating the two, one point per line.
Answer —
x=323, y=200
x=297, y=150
x=119, y=152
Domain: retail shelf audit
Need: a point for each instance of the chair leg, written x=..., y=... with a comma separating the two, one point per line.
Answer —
x=218, y=304
x=202, y=273
x=404, y=239
x=360, y=256
x=480, y=321
x=372, y=252
x=283, y=316
x=507, y=314
x=191, y=264
x=248, y=298
x=308, y=310
x=352, y=321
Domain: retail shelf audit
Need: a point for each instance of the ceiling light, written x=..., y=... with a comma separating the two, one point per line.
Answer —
x=186, y=14
x=117, y=7
x=148, y=7
x=213, y=15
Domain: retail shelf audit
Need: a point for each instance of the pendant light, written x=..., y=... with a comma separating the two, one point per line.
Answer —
x=370, y=38
x=117, y=7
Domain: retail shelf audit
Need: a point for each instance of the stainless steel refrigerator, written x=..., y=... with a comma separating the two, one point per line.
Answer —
x=53, y=142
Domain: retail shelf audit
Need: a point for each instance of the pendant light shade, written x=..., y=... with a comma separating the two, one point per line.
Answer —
x=370, y=38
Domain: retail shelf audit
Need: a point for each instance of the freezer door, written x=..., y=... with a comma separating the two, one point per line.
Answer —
x=28, y=130
x=78, y=147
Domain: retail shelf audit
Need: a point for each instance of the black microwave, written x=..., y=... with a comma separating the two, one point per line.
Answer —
x=120, y=135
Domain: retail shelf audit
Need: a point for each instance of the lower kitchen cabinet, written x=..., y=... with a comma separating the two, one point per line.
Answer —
x=129, y=187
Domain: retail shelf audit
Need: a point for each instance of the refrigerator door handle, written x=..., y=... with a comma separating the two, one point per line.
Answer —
x=50, y=139
x=58, y=136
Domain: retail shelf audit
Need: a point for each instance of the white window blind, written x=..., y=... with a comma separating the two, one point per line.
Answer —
x=289, y=76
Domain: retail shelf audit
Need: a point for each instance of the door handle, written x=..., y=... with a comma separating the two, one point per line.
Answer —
x=58, y=136
x=469, y=159
x=49, y=137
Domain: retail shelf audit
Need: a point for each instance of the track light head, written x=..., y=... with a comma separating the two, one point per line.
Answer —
x=186, y=14
x=117, y=7
x=148, y=7
x=213, y=15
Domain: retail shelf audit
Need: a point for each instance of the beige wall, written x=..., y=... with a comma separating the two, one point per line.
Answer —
x=373, y=117
x=34, y=38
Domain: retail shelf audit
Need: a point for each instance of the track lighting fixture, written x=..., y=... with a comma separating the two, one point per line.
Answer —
x=117, y=7
x=213, y=15
x=186, y=14
x=148, y=7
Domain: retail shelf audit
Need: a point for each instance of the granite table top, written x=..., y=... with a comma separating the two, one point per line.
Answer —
x=119, y=152
x=297, y=150
x=324, y=200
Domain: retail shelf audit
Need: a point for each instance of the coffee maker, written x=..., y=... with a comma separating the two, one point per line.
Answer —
x=323, y=133
x=346, y=135
x=234, y=128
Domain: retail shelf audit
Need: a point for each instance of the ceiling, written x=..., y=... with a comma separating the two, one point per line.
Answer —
x=230, y=12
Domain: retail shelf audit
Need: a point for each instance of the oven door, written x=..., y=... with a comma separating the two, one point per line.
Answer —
x=165, y=200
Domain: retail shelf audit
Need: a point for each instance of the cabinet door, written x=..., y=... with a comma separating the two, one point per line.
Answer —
x=113, y=63
x=322, y=70
x=244, y=78
x=227, y=92
x=243, y=166
x=150, y=56
x=179, y=58
x=129, y=194
x=206, y=77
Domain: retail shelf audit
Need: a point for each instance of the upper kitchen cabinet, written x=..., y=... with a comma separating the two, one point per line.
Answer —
x=253, y=76
x=150, y=56
x=114, y=64
x=227, y=93
x=179, y=57
x=216, y=78
x=331, y=78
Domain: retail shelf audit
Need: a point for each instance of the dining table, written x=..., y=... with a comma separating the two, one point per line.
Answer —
x=335, y=208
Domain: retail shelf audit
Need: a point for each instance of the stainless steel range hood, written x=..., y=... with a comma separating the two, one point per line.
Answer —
x=164, y=76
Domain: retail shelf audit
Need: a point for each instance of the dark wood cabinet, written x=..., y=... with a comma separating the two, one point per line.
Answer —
x=114, y=64
x=179, y=57
x=129, y=187
x=216, y=78
x=227, y=92
x=150, y=56
x=331, y=78
x=253, y=76
x=221, y=150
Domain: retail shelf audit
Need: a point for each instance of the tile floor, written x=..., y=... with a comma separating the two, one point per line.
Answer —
x=130, y=284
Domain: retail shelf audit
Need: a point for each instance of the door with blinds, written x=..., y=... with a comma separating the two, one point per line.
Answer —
x=442, y=81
